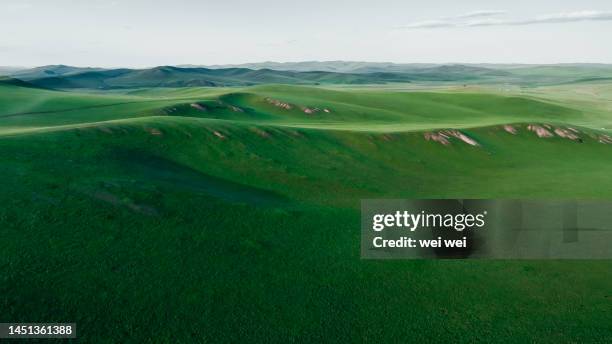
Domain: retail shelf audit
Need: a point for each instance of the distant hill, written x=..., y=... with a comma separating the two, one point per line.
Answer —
x=50, y=71
x=332, y=66
x=327, y=66
x=169, y=76
x=525, y=74
x=308, y=73
x=355, y=67
x=370, y=67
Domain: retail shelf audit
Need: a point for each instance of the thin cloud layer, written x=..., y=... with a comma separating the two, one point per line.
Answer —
x=477, y=14
x=491, y=18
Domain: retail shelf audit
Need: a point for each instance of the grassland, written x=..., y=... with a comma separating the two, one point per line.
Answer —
x=231, y=214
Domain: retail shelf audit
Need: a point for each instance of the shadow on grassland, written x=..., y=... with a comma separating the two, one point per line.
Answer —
x=180, y=177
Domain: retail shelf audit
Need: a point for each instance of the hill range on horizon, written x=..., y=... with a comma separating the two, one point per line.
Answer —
x=304, y=73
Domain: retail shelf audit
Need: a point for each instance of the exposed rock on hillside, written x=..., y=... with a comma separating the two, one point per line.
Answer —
x=540, y=131
x=197, y=106
x=567, y=134
x=279, y=104
x=443, y=136
x=510, y=129
x=309, y=110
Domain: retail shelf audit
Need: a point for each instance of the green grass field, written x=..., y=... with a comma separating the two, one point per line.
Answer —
x=232, y=214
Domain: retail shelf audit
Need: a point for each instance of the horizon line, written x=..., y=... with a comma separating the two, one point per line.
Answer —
x=193, y=65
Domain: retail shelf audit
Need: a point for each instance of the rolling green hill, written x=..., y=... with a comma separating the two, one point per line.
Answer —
x=232, y=214
x=284, y=105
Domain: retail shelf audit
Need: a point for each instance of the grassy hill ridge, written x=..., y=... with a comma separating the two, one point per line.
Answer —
x=285, y=105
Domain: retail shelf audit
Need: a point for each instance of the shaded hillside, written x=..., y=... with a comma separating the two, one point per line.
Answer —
x=4, y=80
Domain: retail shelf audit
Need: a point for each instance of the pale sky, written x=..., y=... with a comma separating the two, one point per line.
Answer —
x=143, y=33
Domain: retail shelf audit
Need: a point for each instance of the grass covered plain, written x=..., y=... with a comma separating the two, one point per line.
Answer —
x=232, y=214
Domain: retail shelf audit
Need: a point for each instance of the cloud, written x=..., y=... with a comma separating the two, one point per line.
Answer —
x=491, y=18
x=477, y=14
x=429, y=24
x=452, y=20
x=569, y=17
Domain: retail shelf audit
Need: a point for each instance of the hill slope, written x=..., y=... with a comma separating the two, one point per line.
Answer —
x=222, y=214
